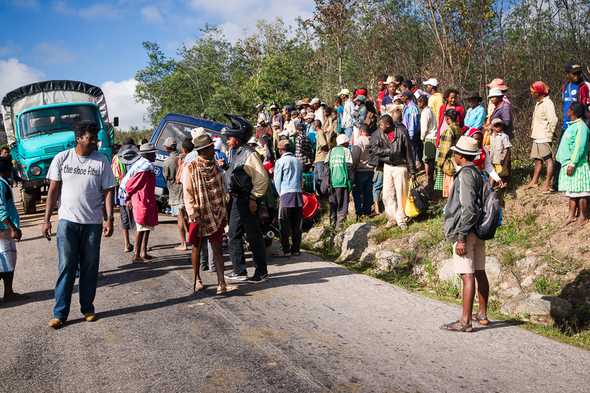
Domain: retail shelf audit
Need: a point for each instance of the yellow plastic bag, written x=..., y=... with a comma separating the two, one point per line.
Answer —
x=410, y=208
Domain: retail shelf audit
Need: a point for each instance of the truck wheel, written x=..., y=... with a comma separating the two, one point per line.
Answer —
x=29, y=202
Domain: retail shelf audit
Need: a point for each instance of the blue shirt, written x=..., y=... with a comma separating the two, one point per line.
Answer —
x=288, y=174
x=475, y=117
x=7, y=206
x=411, y=119
x=570, y=95
x=219, y=155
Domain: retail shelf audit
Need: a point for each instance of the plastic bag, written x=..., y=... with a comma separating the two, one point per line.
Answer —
x=410, y=208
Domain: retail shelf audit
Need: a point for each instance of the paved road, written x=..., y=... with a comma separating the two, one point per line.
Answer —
x=314, y=327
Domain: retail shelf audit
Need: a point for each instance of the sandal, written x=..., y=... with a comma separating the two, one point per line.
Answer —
x=221, y=289
x=198, y=286
x=481, y=319
x=458, y=326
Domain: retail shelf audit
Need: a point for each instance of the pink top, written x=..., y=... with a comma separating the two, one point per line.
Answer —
x=141, y=190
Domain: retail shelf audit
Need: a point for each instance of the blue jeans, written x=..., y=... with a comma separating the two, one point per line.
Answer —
x=377, y=186
x=362, y=192
x=78, y=245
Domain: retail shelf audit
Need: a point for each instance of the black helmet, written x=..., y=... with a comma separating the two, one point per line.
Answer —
x=240, y=128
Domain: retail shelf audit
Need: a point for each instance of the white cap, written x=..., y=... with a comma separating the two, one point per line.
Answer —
x=344, y=92
x=252, y=140
x=342, y=139
x=195, y=132
x=314, y=101
x=495, y=92
x=431, y=82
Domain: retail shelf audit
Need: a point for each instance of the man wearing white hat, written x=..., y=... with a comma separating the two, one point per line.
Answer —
x=339, y=161
x=462, y=212
x=347, y=114
x=435, y=101
x=318, y=110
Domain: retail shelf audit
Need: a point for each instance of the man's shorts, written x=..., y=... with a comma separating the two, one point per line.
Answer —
x=195, y=239
x=429, y=150
x=541, y=151
x=474, y=258
x=127, y=222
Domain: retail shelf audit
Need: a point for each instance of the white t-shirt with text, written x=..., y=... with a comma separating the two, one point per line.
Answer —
x=83, y=182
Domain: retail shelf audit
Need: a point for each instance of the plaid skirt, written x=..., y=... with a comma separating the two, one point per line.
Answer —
x=443, y=182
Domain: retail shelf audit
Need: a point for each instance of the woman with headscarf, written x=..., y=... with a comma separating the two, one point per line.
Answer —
x=574, y=177
x=542, y=130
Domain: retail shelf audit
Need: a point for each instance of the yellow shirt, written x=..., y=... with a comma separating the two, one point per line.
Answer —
x=435, y=102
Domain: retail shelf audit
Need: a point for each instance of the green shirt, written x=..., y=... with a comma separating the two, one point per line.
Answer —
x=573, y=148
x=339, y=160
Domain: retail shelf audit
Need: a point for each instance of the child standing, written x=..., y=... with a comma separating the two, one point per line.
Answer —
x=9, y=230
x=500, y=150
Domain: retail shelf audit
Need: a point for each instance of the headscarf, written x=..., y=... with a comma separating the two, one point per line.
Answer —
x=540, y=88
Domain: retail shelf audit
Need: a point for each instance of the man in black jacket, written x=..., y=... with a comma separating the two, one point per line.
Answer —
x=391, y=147
x=247, y=182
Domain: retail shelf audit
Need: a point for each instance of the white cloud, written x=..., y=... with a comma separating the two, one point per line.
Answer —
x=239, y=17
x=121, y=102
x=34, y=4
x=14, y=74
x=53, y=53
x=99, y=11
x=151, y=14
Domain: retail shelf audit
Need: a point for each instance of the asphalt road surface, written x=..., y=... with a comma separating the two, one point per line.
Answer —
x=313, y=327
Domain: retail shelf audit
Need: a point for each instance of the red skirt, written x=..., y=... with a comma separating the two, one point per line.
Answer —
x=195, y=239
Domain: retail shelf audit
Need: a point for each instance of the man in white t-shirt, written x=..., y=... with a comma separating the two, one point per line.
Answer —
x=87, y=182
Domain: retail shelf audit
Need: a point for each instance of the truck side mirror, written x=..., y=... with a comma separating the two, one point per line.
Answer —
x=116, y=121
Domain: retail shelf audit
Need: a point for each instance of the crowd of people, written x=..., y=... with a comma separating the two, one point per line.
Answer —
x=372, y=147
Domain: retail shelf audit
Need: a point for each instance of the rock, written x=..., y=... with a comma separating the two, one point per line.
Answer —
x=493, y=271
x=509, y=286
x=368, y=256
x=416, y=238
x=446, y=270
x=528, y=281
x=538, y=308
x=338, y=240
x=527, y=264
x=386, y=261
x=354, y=241
x=314, y=236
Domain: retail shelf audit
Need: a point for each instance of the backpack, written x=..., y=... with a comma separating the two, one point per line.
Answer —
x=491, y=215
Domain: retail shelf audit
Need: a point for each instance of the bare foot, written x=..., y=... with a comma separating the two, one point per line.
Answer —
x=198, y=286
x=147, y=257
x=137, y=260
x=581, y=222
x=531, y=185
x=570, y=220
x=182, y=247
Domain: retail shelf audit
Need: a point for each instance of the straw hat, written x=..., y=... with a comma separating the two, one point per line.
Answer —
x=466, y=145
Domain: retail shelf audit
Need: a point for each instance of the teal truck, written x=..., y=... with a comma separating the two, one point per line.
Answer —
x=39, y=121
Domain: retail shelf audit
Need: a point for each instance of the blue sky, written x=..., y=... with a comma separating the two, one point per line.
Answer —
x=100, y=41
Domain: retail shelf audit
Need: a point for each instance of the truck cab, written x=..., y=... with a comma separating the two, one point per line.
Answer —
x=40, y=120
x=179, y=127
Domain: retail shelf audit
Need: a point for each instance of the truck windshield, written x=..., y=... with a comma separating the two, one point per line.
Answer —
x=55, y=119
x=178, y=131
